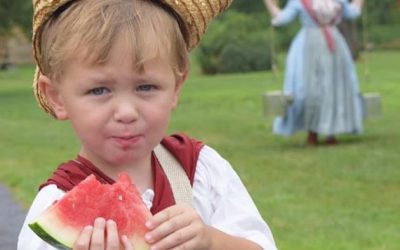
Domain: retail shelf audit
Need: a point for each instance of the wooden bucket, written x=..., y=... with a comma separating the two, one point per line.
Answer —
x=372, y=105
x=275, y=103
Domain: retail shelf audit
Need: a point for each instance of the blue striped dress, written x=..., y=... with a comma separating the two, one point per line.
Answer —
x=323, y=84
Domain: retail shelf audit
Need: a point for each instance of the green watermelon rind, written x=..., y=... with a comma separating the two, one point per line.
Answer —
x=49, y=227
x=44, y=235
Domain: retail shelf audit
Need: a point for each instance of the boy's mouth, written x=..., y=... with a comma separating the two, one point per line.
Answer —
x=126, y=141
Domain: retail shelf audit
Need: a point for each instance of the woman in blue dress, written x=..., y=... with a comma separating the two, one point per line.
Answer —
x=320, y=73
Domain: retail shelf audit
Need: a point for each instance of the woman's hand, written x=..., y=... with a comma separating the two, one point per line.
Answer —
x=272, y=7
x=178, y=227
x=103, y=235
x=358, y=3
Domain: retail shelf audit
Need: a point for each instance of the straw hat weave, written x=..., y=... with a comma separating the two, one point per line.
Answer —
x=195, y=14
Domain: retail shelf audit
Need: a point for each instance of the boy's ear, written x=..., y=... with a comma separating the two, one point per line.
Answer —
x=53, y=97
x=180, y=79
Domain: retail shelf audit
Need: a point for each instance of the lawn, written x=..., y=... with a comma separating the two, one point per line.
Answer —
x=341, y=197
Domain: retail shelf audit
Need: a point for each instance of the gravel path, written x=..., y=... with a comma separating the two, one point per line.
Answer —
x=12, y=216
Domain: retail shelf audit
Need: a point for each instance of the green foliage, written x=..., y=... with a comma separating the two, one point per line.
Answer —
x=383, y=34
x=15, y=12
x=23, y=17
x=382, y=12
x=247, y=6
x=235, y=43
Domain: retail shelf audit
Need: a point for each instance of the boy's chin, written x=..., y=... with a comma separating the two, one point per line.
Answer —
x=124, y=161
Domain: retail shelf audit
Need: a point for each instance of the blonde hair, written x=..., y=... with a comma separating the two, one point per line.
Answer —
x=88, y=29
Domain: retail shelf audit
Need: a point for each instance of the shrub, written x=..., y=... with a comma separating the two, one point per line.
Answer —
x=384, y=36
x=236, y=42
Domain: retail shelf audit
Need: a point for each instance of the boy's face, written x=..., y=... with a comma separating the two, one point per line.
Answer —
x=119, y=114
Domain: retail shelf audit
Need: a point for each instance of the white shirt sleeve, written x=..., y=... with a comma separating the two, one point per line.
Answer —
x=27, y=239
x=224, y=203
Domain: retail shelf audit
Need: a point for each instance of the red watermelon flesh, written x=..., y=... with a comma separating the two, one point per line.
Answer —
x=62, y=222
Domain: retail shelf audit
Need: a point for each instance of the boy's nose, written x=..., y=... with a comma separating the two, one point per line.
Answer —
x=126, y=112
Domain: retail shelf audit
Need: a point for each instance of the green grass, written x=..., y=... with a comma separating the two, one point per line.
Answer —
x=343, y=197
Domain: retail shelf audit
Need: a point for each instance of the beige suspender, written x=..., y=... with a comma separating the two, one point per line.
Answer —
x=179, y=181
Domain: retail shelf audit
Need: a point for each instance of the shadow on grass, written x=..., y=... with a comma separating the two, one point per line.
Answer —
x=299, y=143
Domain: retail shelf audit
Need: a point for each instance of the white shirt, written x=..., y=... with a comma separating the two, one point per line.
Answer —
x=220, y=198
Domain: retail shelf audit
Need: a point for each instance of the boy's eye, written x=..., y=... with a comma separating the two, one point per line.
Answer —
x=145, y=87
x=99, y=91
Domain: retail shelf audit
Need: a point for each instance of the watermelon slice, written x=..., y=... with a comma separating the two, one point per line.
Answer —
x=62, y=222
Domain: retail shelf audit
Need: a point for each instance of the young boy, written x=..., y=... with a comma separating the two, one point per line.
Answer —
x=114, y=69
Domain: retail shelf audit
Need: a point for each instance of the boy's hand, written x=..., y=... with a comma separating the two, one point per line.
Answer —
x=177, y=227
x=103, y=235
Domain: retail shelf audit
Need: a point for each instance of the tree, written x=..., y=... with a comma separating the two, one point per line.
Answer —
x=349, y=31
x=13, y=13
x=6, y=15
x=247, y=6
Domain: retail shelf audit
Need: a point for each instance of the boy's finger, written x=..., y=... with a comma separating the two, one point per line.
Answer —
x=83, y=241
x=167, y=227
x=179, y=239
x=163, y=216
x=126, y=243
x=112, y=240
x=97, y=242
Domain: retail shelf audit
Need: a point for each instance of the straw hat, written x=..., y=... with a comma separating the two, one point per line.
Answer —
x=195, y=14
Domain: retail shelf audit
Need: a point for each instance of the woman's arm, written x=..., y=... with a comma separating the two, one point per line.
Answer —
x=352, y=10
x=285, y=15
x=272, y=7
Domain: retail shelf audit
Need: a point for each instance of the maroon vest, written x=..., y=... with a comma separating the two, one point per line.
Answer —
x=186, y=150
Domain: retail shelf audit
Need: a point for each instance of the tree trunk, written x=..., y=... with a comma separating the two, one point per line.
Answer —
x=4, y=53
x=349, y=31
